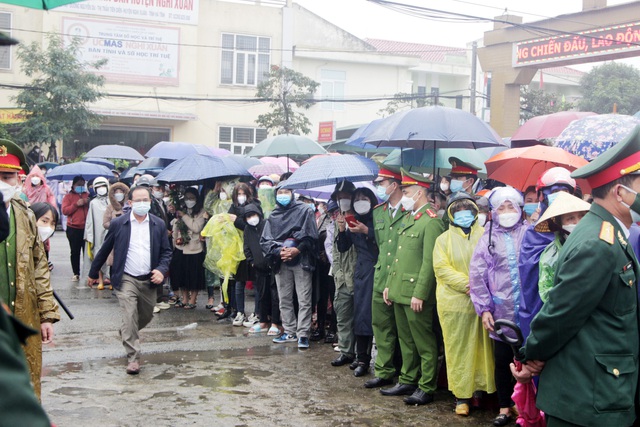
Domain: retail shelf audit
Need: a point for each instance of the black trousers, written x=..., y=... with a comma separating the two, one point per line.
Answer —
x=75, y=236
x=326, y=293
x=363, y=348
x=503, y=356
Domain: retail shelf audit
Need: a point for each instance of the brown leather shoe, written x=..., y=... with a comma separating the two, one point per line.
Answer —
x=133, y=368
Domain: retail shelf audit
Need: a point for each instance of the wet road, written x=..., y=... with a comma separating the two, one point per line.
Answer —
x=215, y=374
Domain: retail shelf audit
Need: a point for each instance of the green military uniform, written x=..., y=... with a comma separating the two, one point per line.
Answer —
x=342, y=268
x=463, y=170
x=587, y=331
x=412, y=276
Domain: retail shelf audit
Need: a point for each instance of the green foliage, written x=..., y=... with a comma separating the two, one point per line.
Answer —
x=58, y=96
x=536, y=102
x=608, y=84
x=402, y=100
x=286, y=89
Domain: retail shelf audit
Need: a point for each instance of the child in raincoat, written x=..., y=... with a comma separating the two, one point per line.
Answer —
x=495, y=284
x=562, y=216
x=468, y=348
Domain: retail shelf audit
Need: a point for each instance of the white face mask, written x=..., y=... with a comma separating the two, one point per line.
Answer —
x=141, y=208
x=321, y=210
x=362, y=207
x=166, y=200
x=118, y=196
x=408, y=202
x=35, y=180
x=7, y=191
x=158, y=194
x=101, y=191
x=223, y=196
x=242, y=199
x=254, y=220
x=190, y=203
x=344, y=205
x=265, y=186
x=508, y=220
x=482, y=219
x=444, y=186
x=569, y=228
x=45, y=232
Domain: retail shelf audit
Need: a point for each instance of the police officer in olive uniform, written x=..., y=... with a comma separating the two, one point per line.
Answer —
x=464, y=175
x=411, y=289
x=387, y=217
x=585, y=338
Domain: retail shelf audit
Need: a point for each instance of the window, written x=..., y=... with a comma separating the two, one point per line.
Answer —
x=332, y=87
x=5, y=51
x=245, y=59
x=240, y=140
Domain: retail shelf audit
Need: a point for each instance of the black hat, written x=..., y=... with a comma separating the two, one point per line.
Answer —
x=343, y=186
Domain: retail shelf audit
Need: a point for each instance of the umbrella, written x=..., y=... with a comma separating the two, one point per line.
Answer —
x=220, y=152
x=593, y=135
x=331, y=170
x=266, y=169
x=284, y=162
x=243, y=161
x=40, y=4
x=97, y=161
x=47, y=165
x=541, y=128
x=177, y=150
x=521, y=167
x=114, y=152
x=153, y=164
x=287, y=145
x=357, y=138
x=320, y=155
x=324, y=192
x=86, y=170
x=420, y=160
x=198, y=167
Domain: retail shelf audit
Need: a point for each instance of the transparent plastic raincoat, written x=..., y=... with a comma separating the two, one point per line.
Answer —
x=468, y=348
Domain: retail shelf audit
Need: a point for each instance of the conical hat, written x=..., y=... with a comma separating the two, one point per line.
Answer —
x=563, y=204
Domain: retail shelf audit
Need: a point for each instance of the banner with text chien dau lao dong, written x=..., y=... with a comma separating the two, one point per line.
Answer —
x=138, y=54
x=165, y=11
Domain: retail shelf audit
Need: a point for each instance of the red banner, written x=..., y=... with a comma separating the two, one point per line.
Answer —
x=326, y=131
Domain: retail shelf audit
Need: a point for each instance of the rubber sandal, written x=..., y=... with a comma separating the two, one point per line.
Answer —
x=256, y=329
x=189, y=306
x=209, y=306
x=273, y=331
x=179, y=304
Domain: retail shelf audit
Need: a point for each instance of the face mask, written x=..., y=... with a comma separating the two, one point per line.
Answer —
x=254, y=220
x=444, y=186
x=35, y=180
x=381, y=192
x=482, y=219
x=408, y=202
x=79, y=189
x=464, y=218
x=141, y=208
x=118, y=196
x=223, y=196
x=7, y=191
x=45, y=232
x=242, y=199
x=456, y=185
x=362, y=207
x=551, y=197
x=321, y=210
x=530, y=208
x=569, y=228
x=283, y=199
x=101, y=191
x=440, y=213
x=158, y=194
x=508, y=220
x=312, y=207
x=166, y=200
x=265, y=186
x=635, y=206
x=189, y=203
x=344, y=204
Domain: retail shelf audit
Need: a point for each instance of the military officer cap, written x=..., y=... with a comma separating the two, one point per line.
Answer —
x=12, y=158
x=458, y=167
x=412, y=178
x=388, y=172
x=620, y=160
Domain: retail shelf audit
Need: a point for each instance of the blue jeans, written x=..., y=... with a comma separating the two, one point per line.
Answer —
x=240, y=296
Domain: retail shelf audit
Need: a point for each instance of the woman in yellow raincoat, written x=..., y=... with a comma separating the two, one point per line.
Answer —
x=468, y=348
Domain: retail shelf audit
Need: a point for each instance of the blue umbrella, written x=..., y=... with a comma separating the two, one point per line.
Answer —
x=177, y=150
x=421, y=160
x=86, y=170
x=153, y=163
x=97, y=161
x=114, y=152
x=361, y=133
x=198, y=167
x=47, y=165
x=330, y=170
x=324, y=192
x=245, y=162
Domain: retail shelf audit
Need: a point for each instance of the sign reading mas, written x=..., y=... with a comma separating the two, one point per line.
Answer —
x=602, y=41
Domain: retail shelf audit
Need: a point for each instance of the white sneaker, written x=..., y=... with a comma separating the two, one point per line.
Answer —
x=250, y=322
x=163, y=305
x=156, y=309
x=239, y=320
x=75, y=278
x=218, y=307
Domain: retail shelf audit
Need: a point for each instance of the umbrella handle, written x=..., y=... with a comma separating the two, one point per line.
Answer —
x=515, y=343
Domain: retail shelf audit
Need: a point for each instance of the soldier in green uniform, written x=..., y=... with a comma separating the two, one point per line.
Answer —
x=585, y=338
x=387, y=217
x=463, y=176
x=411, y=289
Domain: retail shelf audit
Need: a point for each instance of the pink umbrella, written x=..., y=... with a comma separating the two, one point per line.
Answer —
x=524, y=396
x=549, y=126
x=265, y=169
x=281, y=161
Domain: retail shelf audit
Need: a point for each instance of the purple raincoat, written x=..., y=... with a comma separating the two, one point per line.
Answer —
x=494, y=279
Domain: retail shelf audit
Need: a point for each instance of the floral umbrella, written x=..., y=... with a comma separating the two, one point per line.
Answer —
x=593, y=135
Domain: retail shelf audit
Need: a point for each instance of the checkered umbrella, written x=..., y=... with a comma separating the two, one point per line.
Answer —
x=332, y=169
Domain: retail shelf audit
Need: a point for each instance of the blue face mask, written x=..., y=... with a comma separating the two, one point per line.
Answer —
x=551, y=197
x=464, y=218
x=456, y=185
x=381, y=192
x=530, y=208
x=79, y=189
x=283, y=199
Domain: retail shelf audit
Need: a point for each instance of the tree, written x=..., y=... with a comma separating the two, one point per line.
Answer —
x=608, y=84
x=57, y=99
x=286, y=89
x=536, y=102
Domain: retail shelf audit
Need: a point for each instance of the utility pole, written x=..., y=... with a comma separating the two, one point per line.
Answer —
x=472, y=95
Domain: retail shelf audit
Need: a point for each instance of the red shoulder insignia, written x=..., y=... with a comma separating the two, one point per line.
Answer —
x=381, y=204
x=417, y=217
x=431, y=213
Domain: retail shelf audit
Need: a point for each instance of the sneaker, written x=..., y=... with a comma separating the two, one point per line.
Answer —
x=253, y=318
x=218, y=308
x=75, y=278
x=284, y=338
x=239, y=320
x=303, y=342
x=250, y=322
x=163, y=305
x=156, y=309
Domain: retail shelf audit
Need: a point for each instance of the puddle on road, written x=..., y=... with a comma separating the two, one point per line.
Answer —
x=83, y=391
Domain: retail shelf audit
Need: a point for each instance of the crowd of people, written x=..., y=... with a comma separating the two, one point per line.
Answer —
x=418, y=267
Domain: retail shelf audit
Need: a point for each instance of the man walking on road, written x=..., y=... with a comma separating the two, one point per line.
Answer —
x=141, y=262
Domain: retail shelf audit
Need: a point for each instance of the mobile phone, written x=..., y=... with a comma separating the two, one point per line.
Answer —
x=351, y=220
